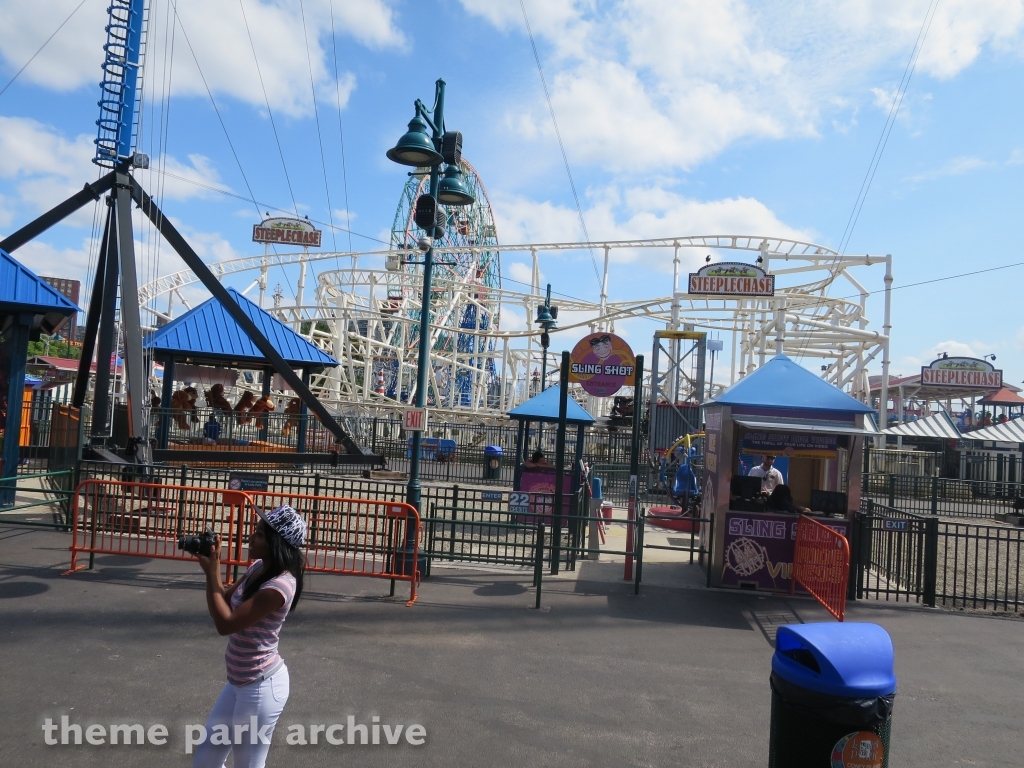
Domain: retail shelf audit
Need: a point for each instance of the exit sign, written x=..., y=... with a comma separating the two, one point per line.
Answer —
x=415, y=419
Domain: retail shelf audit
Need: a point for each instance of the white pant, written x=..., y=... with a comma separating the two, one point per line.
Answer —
x=264, y=699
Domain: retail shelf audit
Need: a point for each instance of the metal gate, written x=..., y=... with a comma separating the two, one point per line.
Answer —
x=895, y=555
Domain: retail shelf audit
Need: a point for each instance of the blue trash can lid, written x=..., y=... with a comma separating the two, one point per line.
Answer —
x=595, y=487
x=493, y=450
x=848, y=659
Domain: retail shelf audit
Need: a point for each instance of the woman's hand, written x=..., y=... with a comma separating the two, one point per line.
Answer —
x=211, y=563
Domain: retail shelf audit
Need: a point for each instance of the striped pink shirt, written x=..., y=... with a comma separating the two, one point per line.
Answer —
x=253, y=650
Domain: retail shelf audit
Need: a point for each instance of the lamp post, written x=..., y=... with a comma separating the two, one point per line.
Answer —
x=419, y=149
x=547, y=316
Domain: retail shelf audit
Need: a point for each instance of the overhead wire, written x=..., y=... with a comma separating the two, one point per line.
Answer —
x=341, y=130
x=167, y=81
x=40, y=48
x=213, y=101
x=890, y=121
x=224, y=128
x=265, y=206
x=270, y=112
x=561, y=145
x=876, y=157
x=316, y=114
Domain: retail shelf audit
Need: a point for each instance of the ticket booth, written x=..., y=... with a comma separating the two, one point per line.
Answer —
x=536, y=412
x=814, y=433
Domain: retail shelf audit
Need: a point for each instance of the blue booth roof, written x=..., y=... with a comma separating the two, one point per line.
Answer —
x=22, y=291
x=209, y=333
x=781, y=383
x=544, y=407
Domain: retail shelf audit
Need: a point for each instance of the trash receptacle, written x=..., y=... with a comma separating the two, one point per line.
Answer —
x=492, y=462
x=833, y=687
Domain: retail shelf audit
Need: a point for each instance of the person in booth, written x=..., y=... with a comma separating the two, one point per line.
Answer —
x=251, y=611
x=770, y=476
x=537, y=461
x=781, y=500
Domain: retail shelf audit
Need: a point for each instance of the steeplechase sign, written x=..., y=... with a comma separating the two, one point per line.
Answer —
x=287, y=232
x=731, y=278
x=968, y=372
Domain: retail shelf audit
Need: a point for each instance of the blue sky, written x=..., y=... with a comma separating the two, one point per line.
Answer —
x=679, y=118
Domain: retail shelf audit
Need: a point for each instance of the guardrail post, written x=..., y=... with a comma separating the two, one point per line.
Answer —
x=538, y=566
x=640, y=525
x=854, y=541
x=864, y=530
x=314, y=528
x=931, y=560
x=892, y=491
x=935, y=496
x=455, y=517
x=429, y=538
x=181, y=500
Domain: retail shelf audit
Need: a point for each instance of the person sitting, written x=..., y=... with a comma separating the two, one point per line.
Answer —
x=211, y=430
x=781, y=500
x=770, y=476
x=537, y=461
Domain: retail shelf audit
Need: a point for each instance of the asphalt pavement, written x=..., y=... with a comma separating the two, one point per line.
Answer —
x=677, y=676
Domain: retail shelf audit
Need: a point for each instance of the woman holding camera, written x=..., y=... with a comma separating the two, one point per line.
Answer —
x=251, y=612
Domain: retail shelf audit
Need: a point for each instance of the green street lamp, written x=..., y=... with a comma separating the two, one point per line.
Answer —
x=415, y=148
x=547, y=318
x=422, y=150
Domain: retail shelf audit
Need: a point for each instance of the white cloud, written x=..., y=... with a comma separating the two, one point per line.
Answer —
x=657, y=84
x=217, y=33
x=512, y=319
x=952, y=348
x=957, y=166
x=45, y=167
x=961, y=28
x=635, y=213
x=44, y=259
x=522, y=274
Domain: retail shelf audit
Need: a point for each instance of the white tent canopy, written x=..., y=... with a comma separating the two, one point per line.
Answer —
x=1007, y=432
x=937, y=425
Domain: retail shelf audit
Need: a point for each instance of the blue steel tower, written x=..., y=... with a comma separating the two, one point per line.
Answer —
x=122, y=55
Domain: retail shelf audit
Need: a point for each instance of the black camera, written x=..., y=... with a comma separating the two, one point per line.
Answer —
x=203, y=544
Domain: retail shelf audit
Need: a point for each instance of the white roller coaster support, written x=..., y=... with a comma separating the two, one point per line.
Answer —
x=883, y=395
x=300, y=290
x=372, y=315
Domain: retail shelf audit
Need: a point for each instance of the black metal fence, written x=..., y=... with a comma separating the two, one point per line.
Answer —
x=945, y=497
x=904, y=556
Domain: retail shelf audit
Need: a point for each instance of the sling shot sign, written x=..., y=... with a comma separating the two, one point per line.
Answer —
x=602, y=363
x=961, y=372
x=732, y=278
x=287, y=232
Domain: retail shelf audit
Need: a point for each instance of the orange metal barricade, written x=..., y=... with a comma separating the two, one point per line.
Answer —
x=355, y=537
x=821, y=563
x=146, y=519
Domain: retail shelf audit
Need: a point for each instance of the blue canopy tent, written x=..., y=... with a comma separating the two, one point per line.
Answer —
x=209, y=335
x=543, y=409
x=781, y=409
x=28, y=306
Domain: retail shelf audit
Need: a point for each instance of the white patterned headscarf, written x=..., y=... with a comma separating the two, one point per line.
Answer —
x=288, y=524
